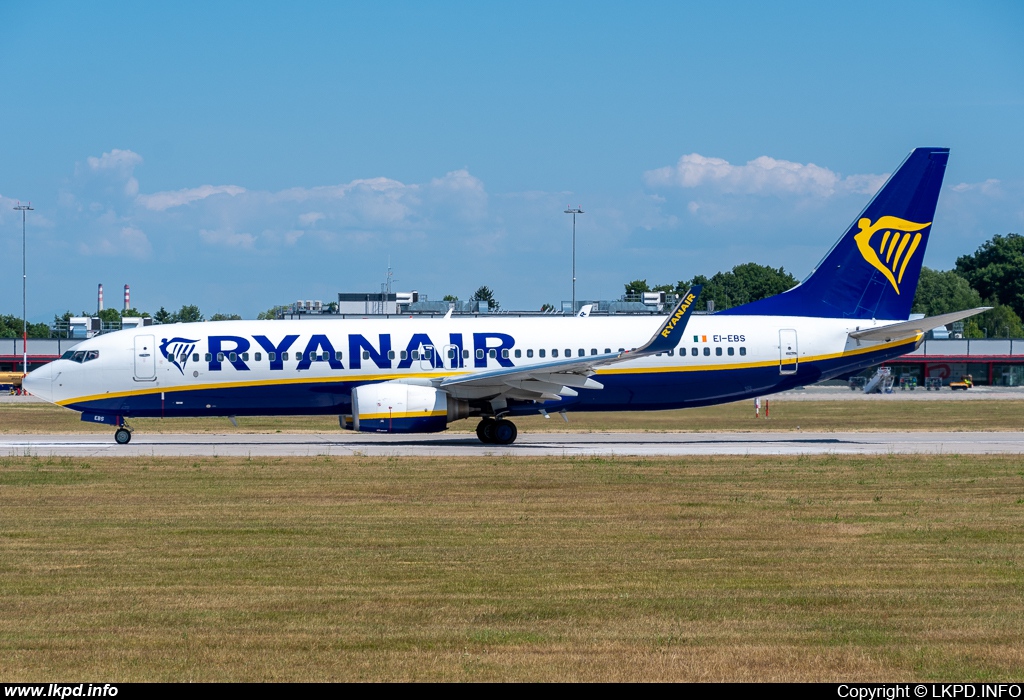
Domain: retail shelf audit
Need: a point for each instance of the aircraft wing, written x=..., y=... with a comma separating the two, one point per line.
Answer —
x=908, y=329
x=557, y=378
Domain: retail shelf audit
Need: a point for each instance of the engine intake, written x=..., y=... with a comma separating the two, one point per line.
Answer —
x=391, y=407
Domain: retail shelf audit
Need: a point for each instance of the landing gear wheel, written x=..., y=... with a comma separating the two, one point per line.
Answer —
x=485, y=430
x=123, y=436
x=505, y=432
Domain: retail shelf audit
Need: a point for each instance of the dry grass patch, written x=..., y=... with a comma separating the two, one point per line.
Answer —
x=330, y=568
x=829, y=416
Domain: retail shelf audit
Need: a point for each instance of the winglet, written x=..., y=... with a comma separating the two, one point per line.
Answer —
x=670, y=332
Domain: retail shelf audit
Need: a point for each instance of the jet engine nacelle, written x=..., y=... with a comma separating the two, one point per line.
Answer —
x=391, y=407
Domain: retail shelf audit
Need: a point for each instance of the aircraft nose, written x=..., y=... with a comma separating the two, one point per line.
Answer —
x=38, y=382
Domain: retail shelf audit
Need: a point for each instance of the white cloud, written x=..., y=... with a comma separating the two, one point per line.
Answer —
x=117, y=165
x=228, y=238
x=116, y=159
x=129, y=241
x=311, y=217
x=990, y=187
x=159, y=201
x=763, y=176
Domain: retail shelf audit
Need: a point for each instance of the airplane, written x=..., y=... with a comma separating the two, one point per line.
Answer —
x=420, y=375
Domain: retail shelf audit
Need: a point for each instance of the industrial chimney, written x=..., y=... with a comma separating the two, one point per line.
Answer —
x=99, y=301
x=127, y=298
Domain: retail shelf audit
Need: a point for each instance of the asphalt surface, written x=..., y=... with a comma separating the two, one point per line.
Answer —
x=647, y=444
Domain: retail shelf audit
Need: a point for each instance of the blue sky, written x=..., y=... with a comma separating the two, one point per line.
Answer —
x=242, y=155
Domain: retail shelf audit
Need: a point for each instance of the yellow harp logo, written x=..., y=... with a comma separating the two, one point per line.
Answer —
x=892, y=250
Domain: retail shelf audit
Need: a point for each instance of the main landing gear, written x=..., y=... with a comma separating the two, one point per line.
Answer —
x=497, y=432
x=123, y=434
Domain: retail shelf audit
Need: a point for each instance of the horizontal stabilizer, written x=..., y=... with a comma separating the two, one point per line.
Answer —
x=909, y=329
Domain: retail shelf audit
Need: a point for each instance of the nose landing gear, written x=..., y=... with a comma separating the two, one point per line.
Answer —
x=497, y=432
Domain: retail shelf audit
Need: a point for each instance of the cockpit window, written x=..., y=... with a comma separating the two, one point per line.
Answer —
x=91, y=355
x=67, y=355
x=78, y=356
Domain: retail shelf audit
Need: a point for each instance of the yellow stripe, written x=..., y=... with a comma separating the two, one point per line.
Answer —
x=885, y=237
x=891, y=247
x=263, y=382
x=899, y=251
x=403, y=414
x=910, y=254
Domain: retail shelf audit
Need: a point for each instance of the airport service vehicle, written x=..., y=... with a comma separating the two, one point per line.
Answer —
x=965, y=383
x=419, y=375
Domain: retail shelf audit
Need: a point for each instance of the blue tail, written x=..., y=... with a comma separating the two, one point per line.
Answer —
x=872, y=271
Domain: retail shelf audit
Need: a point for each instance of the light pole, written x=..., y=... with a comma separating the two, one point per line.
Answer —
x=574, y=212
x=24, y=286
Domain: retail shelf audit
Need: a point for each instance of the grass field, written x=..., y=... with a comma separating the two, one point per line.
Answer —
x=732, y=568
x=830, y=416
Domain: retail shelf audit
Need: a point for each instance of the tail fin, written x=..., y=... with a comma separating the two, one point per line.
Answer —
x=872, y=271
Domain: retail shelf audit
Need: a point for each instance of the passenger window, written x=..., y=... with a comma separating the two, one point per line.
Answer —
x=337, y=355
x=581, y=352
x=693, y=351
x=258, y=356
x=568, y=352
x=731, y=350
x=272, y=356
x=554, y=353
x=403, y=355
x=504, y=353
x=391, y=354
x=622, y=349
x=284, y=356
x=479, y=354
x=707, y=351
x=366, y=354
x=233, y=357
x=451, y=353
x=529, y=352
x=718, y=351
x=195, y=357
x=743, y=351
x=415, y=354
x=542, y=352
x=593, y=351
x=427, y=354
x=465, y=354
x=671, y=352
x=519, y=353
x=607, y=351
x=245, y=357
x=492, y=353
x=220, y=357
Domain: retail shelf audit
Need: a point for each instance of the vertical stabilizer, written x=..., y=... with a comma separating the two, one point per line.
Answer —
x=872, y=271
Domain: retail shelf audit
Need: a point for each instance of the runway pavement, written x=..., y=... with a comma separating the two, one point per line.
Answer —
x=646, y=444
